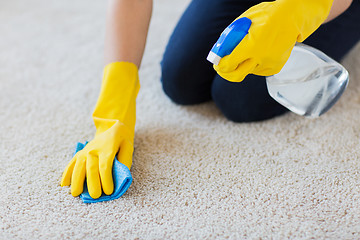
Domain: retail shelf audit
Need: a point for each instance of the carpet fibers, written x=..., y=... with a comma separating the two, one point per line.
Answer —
x=196, y=175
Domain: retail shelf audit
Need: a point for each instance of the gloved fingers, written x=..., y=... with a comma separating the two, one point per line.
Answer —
x=78, y=176
x=267, y=71
x=125, y=154
x=240, y=54
x=92, y=176
x=66, y=176
x=105, y=170
x=240, y=72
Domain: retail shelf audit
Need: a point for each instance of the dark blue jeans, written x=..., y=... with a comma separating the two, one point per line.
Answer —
x=188, y=78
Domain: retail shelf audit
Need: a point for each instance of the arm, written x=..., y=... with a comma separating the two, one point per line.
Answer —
x=338, y=7
x=115, y=111
x=275, y=29
x=126, y=30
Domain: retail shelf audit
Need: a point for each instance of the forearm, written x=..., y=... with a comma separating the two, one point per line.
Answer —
x=126, y=30
x=338, y=7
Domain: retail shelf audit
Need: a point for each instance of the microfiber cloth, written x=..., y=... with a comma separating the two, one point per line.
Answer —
x=122, y=180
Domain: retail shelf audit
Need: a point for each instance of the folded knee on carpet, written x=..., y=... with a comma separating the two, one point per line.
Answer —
x=183, y=88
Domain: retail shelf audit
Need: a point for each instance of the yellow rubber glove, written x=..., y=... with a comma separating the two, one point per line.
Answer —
x=114, y=118
x=276, y=27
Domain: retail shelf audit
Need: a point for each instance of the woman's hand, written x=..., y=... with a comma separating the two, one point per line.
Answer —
x=276, y=27
x=114, y=119
x=95, y=161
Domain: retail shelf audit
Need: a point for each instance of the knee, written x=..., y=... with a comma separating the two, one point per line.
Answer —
x=182, y=84
x=174, y=87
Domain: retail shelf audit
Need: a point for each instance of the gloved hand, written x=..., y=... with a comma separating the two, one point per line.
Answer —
x=276, y=27
x=114, y=118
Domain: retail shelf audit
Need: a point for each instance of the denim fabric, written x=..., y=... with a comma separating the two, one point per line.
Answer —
x=188, y=78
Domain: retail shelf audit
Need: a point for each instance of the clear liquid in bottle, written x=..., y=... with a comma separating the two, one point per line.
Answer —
x=310, y=82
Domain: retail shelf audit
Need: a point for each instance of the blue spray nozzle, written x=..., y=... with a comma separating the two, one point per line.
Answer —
x=229, y=39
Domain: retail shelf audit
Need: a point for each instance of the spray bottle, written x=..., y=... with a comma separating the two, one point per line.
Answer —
x=310, y=82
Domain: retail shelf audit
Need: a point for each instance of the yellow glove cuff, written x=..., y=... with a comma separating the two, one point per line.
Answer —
x=118, y=94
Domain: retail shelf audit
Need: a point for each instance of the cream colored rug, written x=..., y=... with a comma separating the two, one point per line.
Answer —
x=196, y=175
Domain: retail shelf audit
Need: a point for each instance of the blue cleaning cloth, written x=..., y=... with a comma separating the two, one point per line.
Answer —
x=122, y=180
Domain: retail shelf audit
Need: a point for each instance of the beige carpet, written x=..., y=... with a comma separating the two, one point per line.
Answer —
x=196, y=175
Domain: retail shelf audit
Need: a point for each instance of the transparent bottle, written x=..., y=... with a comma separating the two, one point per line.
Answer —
x=310, y=82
